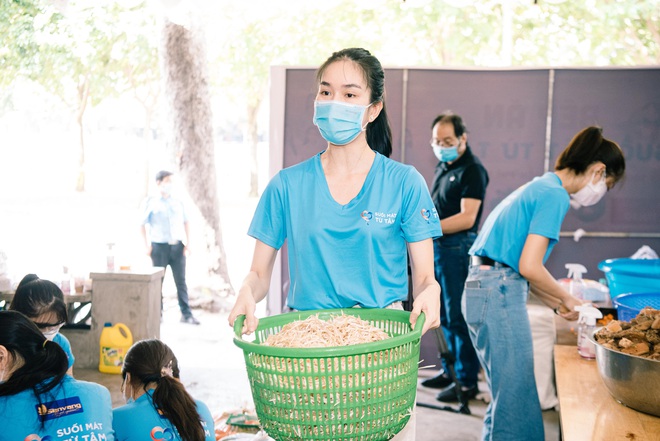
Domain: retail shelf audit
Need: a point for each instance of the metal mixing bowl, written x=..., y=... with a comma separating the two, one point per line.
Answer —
x=631, y=380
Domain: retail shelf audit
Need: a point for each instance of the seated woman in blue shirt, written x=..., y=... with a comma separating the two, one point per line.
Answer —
x=158, y=406
x=508, y=262
x=42, y=301
x=38, y=400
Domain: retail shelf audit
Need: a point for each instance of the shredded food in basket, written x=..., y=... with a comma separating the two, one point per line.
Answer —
x=340, y=330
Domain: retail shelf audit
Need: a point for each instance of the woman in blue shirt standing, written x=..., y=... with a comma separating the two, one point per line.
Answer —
x=38, y=400
x=158, y=406
x=350, y=215
x=508, y=260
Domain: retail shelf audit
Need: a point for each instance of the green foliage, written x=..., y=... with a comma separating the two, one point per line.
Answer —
x=79, y=52
x=110, y=46
x=19, y=30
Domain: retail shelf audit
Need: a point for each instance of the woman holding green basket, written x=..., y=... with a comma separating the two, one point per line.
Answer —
x=350, y=215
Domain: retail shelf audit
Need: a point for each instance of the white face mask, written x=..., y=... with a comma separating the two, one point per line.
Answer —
x=50, y=335
x=51, y=331
x=166, y=187
x=128, y=396
x=590, y=194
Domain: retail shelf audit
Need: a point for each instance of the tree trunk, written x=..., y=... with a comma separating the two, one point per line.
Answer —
x=188, y=98
x=253, y=140
x=83, y=96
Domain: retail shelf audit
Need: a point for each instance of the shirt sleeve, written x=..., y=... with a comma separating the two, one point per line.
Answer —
x=64, y=343
x=184, y=212
x=269, y=222
x=119, y=423
x=419, y=217
x=207, y=420
x=145, y=212
x=547, y=218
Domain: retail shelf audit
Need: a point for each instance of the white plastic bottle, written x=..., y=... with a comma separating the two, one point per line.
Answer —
x=577, y=287
x=66, y=280
x=586, y=328
x=110, y=258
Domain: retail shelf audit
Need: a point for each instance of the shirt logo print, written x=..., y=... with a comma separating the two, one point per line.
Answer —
x=162, y=434
x=426, y=214
x=367, y=216
x=59, y=408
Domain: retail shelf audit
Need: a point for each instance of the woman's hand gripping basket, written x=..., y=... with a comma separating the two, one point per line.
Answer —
x=361, y=392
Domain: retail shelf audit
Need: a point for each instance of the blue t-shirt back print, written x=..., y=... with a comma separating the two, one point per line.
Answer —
x=139, y=421
x=350, y=254
x=73, y=411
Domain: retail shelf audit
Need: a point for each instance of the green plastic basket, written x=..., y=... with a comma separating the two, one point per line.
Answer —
x=361, y=392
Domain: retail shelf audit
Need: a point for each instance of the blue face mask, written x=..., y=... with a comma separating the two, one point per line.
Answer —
x=445, y=154
x=339, y=123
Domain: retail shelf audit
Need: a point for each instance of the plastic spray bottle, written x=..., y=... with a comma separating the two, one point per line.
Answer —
x=577, y=287
x=586, y=328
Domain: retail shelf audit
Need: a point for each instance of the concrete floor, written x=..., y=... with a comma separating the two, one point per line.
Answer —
x=213, y=371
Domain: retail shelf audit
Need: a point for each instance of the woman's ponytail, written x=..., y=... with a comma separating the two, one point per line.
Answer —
x=379, y=134
x=176, y=404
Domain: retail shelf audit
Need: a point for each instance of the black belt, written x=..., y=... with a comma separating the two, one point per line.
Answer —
x=485, y=260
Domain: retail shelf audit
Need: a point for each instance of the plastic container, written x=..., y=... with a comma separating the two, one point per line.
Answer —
x=628, y=305
x=115, y=342
x=365, y=391
x=66, y=280
x=628, y=275
x=110, y=258
x=586, y=327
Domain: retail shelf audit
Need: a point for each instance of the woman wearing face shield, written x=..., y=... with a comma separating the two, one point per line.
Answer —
x=42, y=301
x=507, y=263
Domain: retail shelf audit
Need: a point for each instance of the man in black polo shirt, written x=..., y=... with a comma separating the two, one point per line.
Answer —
x=458, y=191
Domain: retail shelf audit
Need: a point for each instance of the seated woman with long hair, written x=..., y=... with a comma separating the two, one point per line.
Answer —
x=158, y=405
x=38, y=400
x=42, y=301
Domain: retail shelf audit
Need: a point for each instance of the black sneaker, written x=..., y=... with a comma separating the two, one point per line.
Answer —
x=440, y=381
x=448, y=395
x=190, y=320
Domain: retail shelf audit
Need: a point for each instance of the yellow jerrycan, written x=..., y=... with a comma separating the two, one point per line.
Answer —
x=115, y=342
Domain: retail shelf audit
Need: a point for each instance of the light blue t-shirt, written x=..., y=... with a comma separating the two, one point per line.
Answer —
x=166, y=218
x=139, y=420
x=64, y=343
x=346, y=255
x=538, y=207
x=73, y=410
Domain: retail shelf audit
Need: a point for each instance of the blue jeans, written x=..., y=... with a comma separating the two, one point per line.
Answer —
x=163, y=254
x=494, y=304
x=451, y=269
